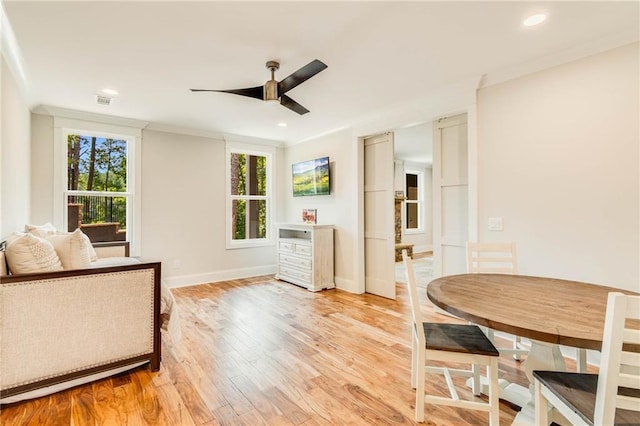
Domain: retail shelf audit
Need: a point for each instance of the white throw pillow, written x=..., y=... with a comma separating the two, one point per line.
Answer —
x=27, y=253
x=74, y=249
x=40, y=230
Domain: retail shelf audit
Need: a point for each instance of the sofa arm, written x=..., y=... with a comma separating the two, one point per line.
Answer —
x=111, y=249
x=62, y=325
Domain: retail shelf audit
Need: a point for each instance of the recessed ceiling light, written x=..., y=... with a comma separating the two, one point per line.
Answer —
x=110, y=91
x=536, y=19
x=281, y=124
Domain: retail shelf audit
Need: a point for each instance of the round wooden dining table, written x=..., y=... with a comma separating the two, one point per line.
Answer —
x=548, y=311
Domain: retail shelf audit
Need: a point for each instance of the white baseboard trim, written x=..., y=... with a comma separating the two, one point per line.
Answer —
x=210, y=277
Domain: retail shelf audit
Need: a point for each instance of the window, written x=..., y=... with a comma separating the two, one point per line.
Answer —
x=249, y=197
x=97, y=177
x=413, y=203
x=97, y=186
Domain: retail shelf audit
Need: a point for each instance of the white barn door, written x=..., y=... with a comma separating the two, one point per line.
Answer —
x=379, y=240
x=450, y=195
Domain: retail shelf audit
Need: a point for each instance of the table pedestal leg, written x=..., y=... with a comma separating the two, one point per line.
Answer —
x=542, y=356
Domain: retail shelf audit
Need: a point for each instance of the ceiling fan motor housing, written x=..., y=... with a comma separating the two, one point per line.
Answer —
x=271, y=91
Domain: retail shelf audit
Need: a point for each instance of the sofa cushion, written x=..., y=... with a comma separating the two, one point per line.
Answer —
x=27, y=253
x=41, y=231
x=74, y=249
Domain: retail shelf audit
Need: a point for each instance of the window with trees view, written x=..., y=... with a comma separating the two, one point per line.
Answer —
x=97, y=186
x=413, y=202
x=249, y=196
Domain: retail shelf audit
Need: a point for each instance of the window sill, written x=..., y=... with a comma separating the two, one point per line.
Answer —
x=249, y=244
x=413, y=231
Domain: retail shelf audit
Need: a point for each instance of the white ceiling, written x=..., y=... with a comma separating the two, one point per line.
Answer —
x=379, y=54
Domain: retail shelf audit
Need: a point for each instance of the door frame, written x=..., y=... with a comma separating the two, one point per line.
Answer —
x=360, y=133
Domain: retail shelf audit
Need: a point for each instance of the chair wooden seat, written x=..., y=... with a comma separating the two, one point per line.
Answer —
x=461, y=338
x=578, y=391
x=611, y=397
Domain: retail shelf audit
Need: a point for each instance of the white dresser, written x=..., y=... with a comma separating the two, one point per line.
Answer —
x=305, y=255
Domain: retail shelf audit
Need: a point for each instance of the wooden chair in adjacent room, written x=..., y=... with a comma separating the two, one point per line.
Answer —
x=457, y=343
x=495, y=258
x=611, y=397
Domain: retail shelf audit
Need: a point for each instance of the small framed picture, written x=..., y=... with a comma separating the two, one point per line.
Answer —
x=310, y=216
x=399, y=193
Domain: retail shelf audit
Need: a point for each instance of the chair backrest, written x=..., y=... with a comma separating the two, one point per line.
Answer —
x=620, y=361
x=492, y=258
x=412, y=290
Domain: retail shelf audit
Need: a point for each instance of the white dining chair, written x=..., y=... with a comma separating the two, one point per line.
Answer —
x=611, y=397
x=501, y=258
x=496, y=258
x=457, y=343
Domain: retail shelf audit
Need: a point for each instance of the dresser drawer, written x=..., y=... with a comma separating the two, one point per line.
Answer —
x=303, y=249
x=294, y=273
x=299, y=262
x=285, y=247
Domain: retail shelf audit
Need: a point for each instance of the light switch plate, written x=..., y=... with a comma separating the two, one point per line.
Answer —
x=495, y=224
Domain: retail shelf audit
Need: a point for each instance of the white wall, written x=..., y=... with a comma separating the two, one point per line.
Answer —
x=559, y=162
x=337, y=208
x=183, y=211
x=41, y=168
x=15, y=151
x=183, y=205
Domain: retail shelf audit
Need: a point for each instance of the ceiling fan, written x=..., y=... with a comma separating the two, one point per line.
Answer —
x=274, y=91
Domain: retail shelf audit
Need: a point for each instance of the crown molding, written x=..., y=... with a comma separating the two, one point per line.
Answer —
x=10, y=51
x=612, y=41
x=55, y=111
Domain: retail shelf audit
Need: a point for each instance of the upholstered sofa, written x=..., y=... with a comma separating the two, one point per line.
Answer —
x=65, y=327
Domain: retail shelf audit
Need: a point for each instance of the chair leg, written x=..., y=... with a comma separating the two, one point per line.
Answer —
x=494, y=393
x=541, y=410
x=581, y=360
x=414, y=361
x=420, y=385
x=516, y=345
x=476, y=384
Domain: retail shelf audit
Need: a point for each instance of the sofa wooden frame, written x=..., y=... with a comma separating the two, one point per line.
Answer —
x=89, y=372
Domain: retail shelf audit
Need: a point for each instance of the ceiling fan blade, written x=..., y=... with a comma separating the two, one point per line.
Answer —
x=252, y=92
x=292, y=105
x=300, y=76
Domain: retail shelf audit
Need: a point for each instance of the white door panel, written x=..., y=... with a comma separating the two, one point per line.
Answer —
x=450, y=195
x=455, y=210
x=378, y=216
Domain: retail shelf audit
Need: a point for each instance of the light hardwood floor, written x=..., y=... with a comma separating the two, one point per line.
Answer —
x=260, y=351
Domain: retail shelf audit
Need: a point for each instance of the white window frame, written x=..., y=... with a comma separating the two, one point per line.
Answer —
x=257, y=150
x=419, y=202
x=133, y=136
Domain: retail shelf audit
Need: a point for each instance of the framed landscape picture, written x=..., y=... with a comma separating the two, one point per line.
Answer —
x=311, y=177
